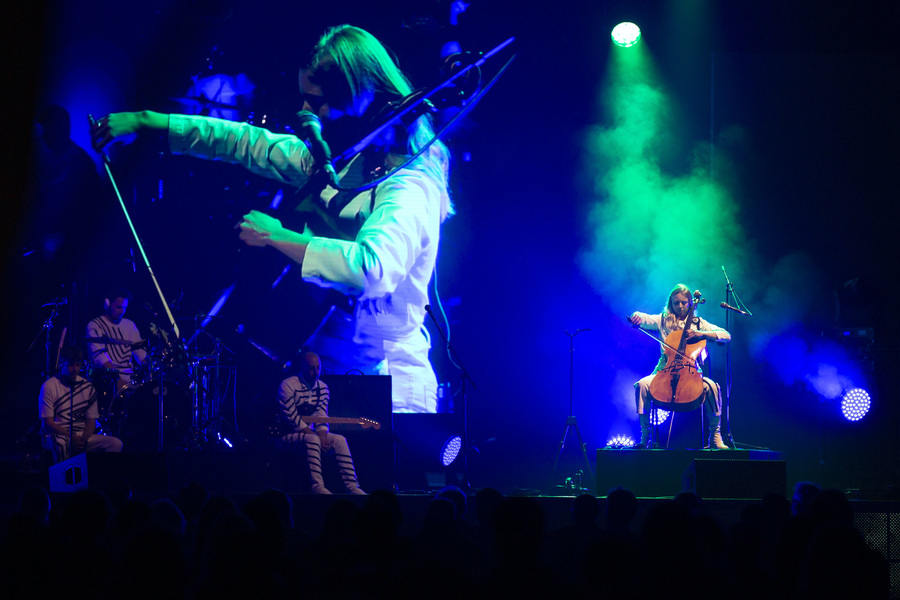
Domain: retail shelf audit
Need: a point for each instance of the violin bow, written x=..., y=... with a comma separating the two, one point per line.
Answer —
x=137, y=239
x=663, y=342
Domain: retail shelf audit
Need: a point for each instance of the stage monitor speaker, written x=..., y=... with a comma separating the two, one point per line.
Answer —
x=750, y=479
x=144, y=472
x=659, y=473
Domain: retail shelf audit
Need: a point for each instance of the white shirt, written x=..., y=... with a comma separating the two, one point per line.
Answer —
x=119, y=355
x=387, y=266
x=66, y=404
x=657, y=323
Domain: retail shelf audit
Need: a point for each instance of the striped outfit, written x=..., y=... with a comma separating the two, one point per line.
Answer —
x=120, y=355
x=296, y=399
x=75, y=405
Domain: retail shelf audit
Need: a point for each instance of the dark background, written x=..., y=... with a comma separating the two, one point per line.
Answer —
x=810, y=84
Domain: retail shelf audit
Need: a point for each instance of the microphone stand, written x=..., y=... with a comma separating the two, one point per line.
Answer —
x=463, y=376
x=572, y=420
x=730, y=299
x=46, y=330
x=71, y=419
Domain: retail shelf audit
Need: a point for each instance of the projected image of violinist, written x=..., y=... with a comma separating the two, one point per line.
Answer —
x=677, y=383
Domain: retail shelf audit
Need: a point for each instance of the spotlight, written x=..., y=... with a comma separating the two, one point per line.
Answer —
x=855, y=404
x=658, y=416
x=620, y=441
x=450, y=450
x=429, y=450
x=626, y=34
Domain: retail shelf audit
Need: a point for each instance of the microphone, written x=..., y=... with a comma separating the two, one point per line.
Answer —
x=310, y=128
x=737, y=310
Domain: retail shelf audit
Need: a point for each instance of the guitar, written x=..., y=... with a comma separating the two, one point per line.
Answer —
x=365, y=423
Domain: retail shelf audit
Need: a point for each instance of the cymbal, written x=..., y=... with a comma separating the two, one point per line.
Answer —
x=113, y=341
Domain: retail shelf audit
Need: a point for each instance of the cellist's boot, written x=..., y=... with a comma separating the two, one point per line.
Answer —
x=645, y=431
x=715, y=434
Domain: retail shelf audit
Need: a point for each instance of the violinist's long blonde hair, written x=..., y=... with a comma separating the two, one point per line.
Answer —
x=368, y=67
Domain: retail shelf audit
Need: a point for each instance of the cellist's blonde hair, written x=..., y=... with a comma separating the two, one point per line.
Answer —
x=668, y=312
x=368, y=67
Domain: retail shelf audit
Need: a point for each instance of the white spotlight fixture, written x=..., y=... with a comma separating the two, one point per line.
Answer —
x=855, y=403
x=622, y=440
x=658, y=416
x=626, y=34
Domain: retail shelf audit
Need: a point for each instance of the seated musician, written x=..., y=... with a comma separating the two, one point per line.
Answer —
x=113, y=338
x=305, y=395
x=672, y=319
x=68, y=410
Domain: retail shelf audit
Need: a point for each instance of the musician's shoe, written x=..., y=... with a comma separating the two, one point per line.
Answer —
x=356, y=490
x=645, y=432
x=318, y=488
x=716, y=443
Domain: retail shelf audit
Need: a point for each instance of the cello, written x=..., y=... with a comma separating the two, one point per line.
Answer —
x=679, y=385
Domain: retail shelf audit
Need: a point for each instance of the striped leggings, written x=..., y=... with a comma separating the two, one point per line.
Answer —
x=294, y=442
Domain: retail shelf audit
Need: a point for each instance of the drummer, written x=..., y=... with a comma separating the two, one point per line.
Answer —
x=114, y=342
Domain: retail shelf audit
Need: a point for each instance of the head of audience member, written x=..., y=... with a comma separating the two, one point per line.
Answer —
x=621, y=508
x=831, y=507
x=804, y=494
x=457, y=497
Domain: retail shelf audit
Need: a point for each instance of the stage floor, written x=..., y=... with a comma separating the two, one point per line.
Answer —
x=654, y=475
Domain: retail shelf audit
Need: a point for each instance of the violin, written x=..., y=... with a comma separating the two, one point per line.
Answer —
x=679, y=385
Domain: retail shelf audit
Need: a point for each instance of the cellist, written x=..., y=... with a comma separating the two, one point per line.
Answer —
x=672, y=319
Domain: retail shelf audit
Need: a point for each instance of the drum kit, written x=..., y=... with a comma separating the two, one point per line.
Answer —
x=172, y=401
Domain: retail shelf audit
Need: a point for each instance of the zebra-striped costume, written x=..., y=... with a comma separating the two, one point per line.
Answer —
x=296, y=400
x=71, y=405
x=120, y=355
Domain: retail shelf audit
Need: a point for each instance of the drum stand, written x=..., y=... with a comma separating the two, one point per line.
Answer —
x=572, y=420
x=207, y=400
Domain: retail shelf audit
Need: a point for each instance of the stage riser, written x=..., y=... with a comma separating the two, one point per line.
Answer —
x=709, y=473
x=648, y=473
x=244, y=472
x=144, y=472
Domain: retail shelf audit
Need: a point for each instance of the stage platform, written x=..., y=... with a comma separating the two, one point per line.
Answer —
x=736, y=474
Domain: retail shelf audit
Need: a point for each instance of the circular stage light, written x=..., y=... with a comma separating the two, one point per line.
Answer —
x=855, y=403
x=626, y=34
